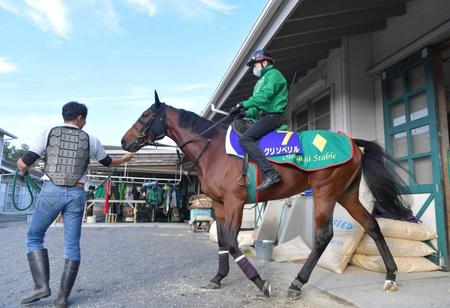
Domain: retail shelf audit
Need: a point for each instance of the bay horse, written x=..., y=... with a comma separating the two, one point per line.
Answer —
x=204, y=144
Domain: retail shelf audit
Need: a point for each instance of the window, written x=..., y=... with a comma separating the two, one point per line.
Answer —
x=315, y=115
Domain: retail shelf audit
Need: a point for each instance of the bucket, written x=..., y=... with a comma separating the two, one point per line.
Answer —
x=91, y=219
x=264, y=250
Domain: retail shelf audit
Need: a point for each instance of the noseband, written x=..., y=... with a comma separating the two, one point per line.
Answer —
x=156, y=125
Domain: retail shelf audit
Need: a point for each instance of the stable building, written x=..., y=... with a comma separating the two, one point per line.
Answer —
x=20, y=192
x=133, y=187
x=376, y=70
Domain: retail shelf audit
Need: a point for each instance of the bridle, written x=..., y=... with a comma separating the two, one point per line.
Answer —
x=156, y=125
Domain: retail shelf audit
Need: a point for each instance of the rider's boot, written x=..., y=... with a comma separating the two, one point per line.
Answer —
x=67, y=280
x=270, y=177
x=40, y=271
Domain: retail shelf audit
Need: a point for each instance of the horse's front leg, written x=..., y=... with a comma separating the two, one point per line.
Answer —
x=233, y=217
x=224, y=267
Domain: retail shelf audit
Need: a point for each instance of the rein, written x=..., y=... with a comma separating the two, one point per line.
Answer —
x=195, y=138
x=204, y=132
x=32, y=185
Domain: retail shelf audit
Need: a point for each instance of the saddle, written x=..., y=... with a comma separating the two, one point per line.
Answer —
x=241, y=125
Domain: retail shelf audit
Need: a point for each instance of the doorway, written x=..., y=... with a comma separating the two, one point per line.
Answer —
x=413, y=137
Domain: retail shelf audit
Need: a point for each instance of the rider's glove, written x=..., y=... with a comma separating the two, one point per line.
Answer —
x=236, y=110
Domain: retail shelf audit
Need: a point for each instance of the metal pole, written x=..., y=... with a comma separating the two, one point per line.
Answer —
x=100, y=176
x=1, y=153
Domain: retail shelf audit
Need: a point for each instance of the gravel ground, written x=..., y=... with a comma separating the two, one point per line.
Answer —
x=159, y=265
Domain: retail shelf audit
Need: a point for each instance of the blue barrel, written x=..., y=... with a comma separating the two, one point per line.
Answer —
x=200, y=212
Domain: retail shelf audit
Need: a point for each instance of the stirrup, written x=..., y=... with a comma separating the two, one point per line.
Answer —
x=242, y=180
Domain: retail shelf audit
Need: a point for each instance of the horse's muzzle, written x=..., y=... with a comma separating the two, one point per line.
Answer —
x=128, y=146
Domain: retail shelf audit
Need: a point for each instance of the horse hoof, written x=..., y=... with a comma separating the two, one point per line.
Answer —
x=211, y=286
x=294, y=294
x=390, y=286
x=267, y=289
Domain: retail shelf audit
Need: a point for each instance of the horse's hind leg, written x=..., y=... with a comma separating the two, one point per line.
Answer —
x=233, y=219
x=351, y=203
x=224, y=267
x=323, y=235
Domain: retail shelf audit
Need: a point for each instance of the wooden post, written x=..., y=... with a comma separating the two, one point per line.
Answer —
x=443, y=107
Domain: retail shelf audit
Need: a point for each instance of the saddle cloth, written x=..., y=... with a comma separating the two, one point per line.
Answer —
x=272, y=144
x=307, y=150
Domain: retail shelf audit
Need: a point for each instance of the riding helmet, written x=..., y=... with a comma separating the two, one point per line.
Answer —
x=259, y=56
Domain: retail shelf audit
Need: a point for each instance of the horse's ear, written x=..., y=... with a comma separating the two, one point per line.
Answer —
x=157, y=102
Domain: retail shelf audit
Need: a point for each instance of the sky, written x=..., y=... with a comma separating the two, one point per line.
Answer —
x=111, y=55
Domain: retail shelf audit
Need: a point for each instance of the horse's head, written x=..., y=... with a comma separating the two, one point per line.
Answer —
x=150, y=126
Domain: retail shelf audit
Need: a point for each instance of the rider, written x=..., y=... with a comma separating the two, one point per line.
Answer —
x=266, y=106
x=67, y=150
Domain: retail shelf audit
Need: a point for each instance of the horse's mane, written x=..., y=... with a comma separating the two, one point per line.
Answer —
x=197, y=124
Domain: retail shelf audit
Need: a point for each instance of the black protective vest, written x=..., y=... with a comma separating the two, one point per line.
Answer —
x=67, y=155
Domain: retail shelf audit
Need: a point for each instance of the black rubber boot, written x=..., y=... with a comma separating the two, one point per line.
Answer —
x=269, y=179
x=67, y=280
x=40, y=271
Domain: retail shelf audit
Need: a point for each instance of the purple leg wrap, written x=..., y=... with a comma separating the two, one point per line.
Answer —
x=224, y=267
x=245, y=265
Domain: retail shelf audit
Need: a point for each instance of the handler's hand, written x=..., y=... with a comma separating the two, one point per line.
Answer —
x=24, y=169
x=127, y=157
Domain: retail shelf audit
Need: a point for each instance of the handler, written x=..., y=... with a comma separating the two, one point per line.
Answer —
x=67, y=150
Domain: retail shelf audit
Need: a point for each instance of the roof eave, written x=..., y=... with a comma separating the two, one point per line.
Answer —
x=253, y=39
x=4, y=132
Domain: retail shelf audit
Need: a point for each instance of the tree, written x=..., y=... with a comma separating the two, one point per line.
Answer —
x=11, y=153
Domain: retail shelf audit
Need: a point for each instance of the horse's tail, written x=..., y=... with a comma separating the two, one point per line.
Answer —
x=382, y=182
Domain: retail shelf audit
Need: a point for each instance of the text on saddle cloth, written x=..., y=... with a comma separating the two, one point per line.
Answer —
x=272, y=144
